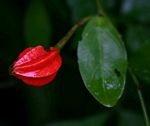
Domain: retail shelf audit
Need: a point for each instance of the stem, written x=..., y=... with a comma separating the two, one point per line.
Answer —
x=69, y=34
x=140, y=96
x=99, y=8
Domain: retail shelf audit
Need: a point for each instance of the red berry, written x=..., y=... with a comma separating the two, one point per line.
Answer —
x=36, y=66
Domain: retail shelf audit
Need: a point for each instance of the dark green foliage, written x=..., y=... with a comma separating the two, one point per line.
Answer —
x=67, y=101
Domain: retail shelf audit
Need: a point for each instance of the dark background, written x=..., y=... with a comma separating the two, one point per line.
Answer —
x=66, y=102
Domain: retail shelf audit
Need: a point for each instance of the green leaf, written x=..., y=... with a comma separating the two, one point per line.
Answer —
x=40, y=103
x=10, y=32
x=140, y=61
x=126, y=116
x=96, y=120
x=136, y=36
x=37, y=24
x=102, y=61
x=138, y=45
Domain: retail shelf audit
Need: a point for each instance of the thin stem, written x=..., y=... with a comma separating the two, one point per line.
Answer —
x=140, y=96
x=99, y=8
x=69, y=34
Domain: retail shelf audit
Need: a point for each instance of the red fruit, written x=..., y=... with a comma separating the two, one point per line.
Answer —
x=36, y=66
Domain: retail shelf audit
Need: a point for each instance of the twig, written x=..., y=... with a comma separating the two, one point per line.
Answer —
x=136, y=82
x=69, y=34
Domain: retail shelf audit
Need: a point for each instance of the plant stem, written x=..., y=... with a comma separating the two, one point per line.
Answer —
x=135, y=80
x=99, y=8
x=69, y=34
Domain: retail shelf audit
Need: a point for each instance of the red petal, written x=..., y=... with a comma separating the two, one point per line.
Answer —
x=24, y=52
x=37, y=67
x=37, y=81
x=42, y=66
x=48, y=69
x=30, y=55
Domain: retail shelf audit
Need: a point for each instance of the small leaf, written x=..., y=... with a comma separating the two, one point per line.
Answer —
x=102, y=61
x=37, y=24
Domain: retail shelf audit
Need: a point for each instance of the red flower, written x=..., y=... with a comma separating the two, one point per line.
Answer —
x=36, y=66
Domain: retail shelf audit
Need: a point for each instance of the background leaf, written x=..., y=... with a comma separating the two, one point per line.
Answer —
x=138, y=45
x=10, y=39
x=136, y=36
x=140, y=61
x=81, y=8
x=136, y=10
x=95, y=120
x=102, y=61
x=37, y=24
x=130, y=118
x=67, y=99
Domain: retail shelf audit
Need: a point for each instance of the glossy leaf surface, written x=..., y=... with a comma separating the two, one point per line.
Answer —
x=102, y=61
